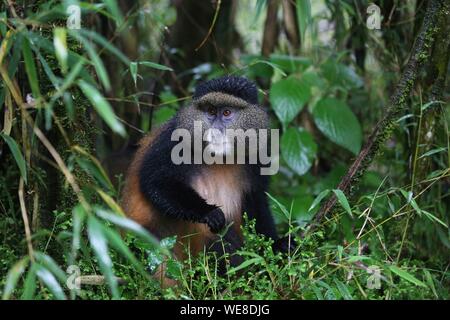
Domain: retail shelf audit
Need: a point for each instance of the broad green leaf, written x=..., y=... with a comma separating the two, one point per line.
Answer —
x=102, y=106
x=97, y=238
x=60, y=43
x=155, y=65
x=336, y=121
x=50, y=282
x=290, y=64
x=407, y=276
x=343, y=201
x=340, y=75
x=288, y=97
x=17, y=154
x=13, y=276
x=304, y=17
x=270, y=64
x=298, y=149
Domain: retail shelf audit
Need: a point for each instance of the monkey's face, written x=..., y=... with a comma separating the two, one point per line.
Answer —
x=227, y=122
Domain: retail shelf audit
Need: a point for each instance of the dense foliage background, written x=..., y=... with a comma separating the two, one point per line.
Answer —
x=75, y=101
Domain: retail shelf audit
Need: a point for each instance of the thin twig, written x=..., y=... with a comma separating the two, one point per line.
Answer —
x=216, y=14
x=26, y=223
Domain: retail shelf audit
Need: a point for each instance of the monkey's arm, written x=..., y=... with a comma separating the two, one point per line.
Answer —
x=176, y=199
x=166, y=186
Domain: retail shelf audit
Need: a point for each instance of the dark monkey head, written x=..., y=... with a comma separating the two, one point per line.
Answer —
x=224, y=103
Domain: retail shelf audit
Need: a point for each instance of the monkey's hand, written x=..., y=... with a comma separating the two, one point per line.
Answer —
x=215, y=220
x=285, y=245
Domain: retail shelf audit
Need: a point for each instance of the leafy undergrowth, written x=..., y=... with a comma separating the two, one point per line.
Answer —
x=322, y=267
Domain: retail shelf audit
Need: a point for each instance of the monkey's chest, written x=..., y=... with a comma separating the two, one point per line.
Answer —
x=223, y=186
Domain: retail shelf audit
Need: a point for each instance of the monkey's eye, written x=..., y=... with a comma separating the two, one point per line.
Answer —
x=211, y=110
x=226, y=113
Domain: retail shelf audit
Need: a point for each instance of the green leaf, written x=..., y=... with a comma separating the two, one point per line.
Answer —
x=105, y=44
x=288, y=97
x=260, y=5
x=50, y=282
x=113, y=8
x=343, y=290
x=99, y=244
x=155, y=65
x=407, y=276
x=282, y=208
x=290, y=64
x=60, y=43
x=50, y=264
x=117, y=242
x=95, y=60
x=78, y=215
x=30, y=67
x=298, y=149
x=433, y=218
x=245, y=264
x=343, y=201
x=29, y=286
x=431, y=152
x=13, y=276
x=340, y=75
x=17, y=154
x=133, y=71
x=304, y=17
x=129, y=225
x=318, y=199
x=337, y=122
x=102, y=106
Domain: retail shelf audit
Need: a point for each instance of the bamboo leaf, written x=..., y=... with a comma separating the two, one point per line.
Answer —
x=97, y=238
x=155, y=65
x=13, y=276
x=50, y=282
x=407, y=276
x=343, y=201
x=102, y=106
x=60, y=43
x=30, y=67
x=17, y=154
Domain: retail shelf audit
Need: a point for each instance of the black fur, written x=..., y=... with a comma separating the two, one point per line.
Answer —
x=166, y=185
x=237, y=86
